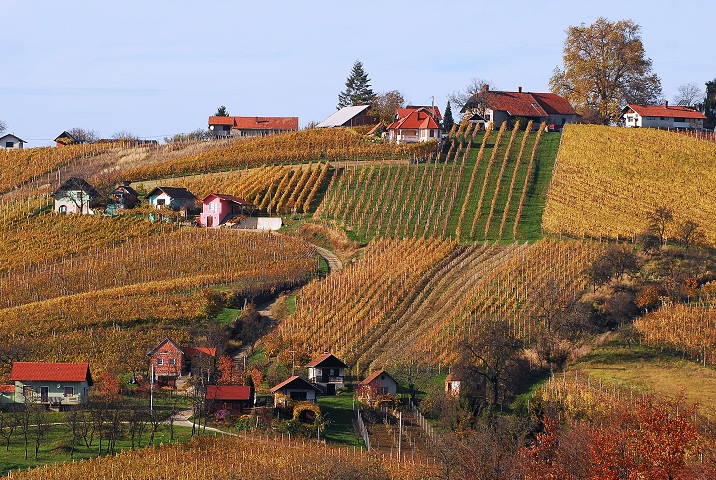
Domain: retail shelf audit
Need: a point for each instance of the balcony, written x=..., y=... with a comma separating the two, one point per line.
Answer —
x=57, y=399
x=326, y=379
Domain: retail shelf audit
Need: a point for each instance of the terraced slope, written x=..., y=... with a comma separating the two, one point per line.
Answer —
x=609, y=179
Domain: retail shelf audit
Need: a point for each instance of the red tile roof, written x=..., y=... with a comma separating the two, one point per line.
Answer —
x=405, y=111
x=257, y=123
x=7, y=388
x=229, y=198
x=228, y=392
x=667, y=111
x=415, y=119
x=375, y=375
x=524, y=104
x=295, y=383
x=57, y=372
x=327, y=360
x=553, y=104
x=196, y=351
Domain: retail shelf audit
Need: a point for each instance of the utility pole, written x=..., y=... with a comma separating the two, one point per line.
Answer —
x=293, y=361
x=151, y=392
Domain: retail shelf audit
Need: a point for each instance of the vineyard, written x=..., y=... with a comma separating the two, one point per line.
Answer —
x=425, y=298
x=232, y=457
x=487, y=186
x=607, y=180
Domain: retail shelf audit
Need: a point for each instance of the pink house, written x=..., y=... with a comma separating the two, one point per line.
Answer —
x=218, y=208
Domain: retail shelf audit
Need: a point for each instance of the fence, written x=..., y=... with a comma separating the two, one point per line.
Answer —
x=361, y=429
x=422, y=422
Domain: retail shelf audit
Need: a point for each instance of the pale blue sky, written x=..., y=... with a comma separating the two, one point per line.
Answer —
x=156, y=68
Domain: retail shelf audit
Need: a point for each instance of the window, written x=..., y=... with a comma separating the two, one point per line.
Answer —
x=384, y=390
x=212, y=207
x=172, y=361
x=9, y=144
x=432, y=133
x=298, y=395
x=160, y=202
x=487, y=117
x=160, y=361
x=69, y=391
x=62, y=209
x=682, y=120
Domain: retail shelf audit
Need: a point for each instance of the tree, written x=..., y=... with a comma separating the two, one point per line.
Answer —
x=605, y=67
x=472, y=96
x=221, y=112
x=358, y=91
x=688, y=233
x=659, y=221
x=710, y=104
x=688, y=94
x=84, y=135
x=125, y=135
x=448, y=121
x=386, y=104
x=3, y=126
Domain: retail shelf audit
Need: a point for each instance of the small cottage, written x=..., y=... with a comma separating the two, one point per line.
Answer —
x=297, y=388
x=234, y=399
x=123, y=197
x=416, y=124
x=66, y=138
x=175, y=198
x=75, y=195
x=55, y=384
x=7, y=394
x=328, y=372
x=11, y=141
x=168, y=361
x=218, y=209
x=377, y=383
x=452, y=385
x=663, y=116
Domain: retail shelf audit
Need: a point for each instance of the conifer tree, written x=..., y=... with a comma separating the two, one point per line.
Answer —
x=448, y=121
x=358, y=91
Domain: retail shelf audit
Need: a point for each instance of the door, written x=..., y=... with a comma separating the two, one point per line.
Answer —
x=330, y=389
x=210, y=221
x=44, y=394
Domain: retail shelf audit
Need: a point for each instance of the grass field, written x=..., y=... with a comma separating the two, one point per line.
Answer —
x=338, y=410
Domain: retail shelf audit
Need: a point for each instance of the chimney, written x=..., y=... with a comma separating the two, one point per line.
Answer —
x=126, y=183
x=666, y=104
x=519, y=89
x=485, y=88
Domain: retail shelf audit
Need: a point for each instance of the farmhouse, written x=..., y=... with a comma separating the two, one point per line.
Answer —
x=296, y=388
x=499, y=107
x=174, y=198
x=55, y=384
x=234, y=399
x=663, y=116
x=328, y=372
x=75, y=195
x=251, y=126
x=168, y=361
x=11, y=141
x=351, y=116
x=377, y=383
x=416, y=124
x=218, y=209
x=123, y=197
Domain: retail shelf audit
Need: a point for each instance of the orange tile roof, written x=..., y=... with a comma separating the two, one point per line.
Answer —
x=57, y=372
x=405, y=111
x=7, y=388
x=666, y=111
x=416, y=119
x=375, y=375
x=228, y=392
x=195, y=351
x=257, y=123
x=554, y=104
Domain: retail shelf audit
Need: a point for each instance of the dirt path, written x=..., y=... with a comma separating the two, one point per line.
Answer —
x=334, y=263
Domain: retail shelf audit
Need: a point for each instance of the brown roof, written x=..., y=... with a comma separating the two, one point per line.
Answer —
x=56, y=372
x=375, y=375
x=295, y=382
x=327, y=360
x=257, y=123
x=173, y=192
x=523, y=104
x=229, y=198
x=228, y=392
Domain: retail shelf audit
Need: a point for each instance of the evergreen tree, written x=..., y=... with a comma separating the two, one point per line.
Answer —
x=710, y=104
x=448, y=121
x=222, y=112
x=358, y=91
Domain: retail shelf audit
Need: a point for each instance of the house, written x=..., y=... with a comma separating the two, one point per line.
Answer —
x=218, y=208
x=328, y=372
x=663, y=116
x=416, y=124
x=235, y=399
x=55, y=384
x=499, y=107
x=168, y=361
x=123, y=197
x=66, y=138
x=452, y=385
x=297, y=388
x=351, y=116
x=75, y=195
x=251, y=126
x=174, y=198
x=7, y=394
x=11, y=141
x=377, y=383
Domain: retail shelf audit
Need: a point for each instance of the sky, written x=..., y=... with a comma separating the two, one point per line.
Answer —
x=159, y=68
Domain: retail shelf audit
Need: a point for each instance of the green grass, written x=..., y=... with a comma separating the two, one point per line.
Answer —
x=338, y=410
x=228, y=315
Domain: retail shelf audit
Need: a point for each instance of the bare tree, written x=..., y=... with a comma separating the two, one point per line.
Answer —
x=3, y=126
x=84, y=135
x=659, y=221
x=689, y=94
x=472, y=95
x=688, y=234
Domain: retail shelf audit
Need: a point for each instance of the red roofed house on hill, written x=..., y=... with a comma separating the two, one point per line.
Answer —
x=55, y=384
x=296, y=388
x=251, y=126
x=328, y=372
x=499, y=107
x=235, y=399
x=663, y=116
x=170, y=361
x=377, y=383
x=416, y=124
x=218, y=208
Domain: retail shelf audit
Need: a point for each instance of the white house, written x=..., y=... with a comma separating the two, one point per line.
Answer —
x=53, y=384
x=224, y=126
x=663, y=116
x=175, y=198
x=77, y=196
x=328, y=372
x=11, y=141
x=296, y=388
x=377, y=383
x=416, y=124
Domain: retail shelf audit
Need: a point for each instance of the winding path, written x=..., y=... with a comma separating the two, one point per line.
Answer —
x=334, y=263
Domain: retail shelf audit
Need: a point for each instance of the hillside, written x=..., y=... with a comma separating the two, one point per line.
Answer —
x=609, y=179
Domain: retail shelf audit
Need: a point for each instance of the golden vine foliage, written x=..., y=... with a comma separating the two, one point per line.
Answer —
x=608, y=179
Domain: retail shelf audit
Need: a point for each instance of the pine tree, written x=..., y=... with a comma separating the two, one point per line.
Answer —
x=358, y=91
x=222, y=112
x=448, y=121
x=710, y=104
